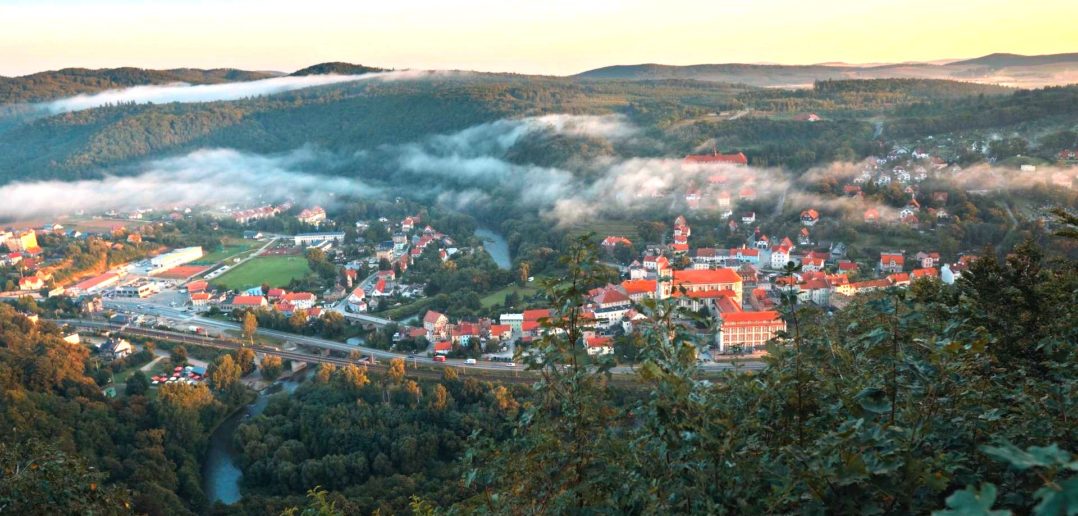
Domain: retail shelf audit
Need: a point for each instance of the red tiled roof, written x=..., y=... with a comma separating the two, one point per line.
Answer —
x=704, y=294
x=611, y=241
x=750, y=317
x=197, y=286
x=431, y=317
x=299, y=296
x=610, y=295
x=599, y=342
x=248, y=300
x=535, y=315
x=888, y=257
x=639, y=286
x=95, y=281
x=706, y=276
x=929, y=272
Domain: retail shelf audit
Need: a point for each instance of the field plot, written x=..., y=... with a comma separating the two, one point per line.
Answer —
x=277, y=271
x=231, y=247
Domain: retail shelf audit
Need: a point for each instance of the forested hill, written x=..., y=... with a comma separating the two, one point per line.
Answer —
x=1002, y=59
x=336, y=68
x=345, y=117
x=73, y=81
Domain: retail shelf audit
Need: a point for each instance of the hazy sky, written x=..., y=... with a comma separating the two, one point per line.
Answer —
x=548, y=36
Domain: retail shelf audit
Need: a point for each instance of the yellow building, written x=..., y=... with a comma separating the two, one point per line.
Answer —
x=22, y=241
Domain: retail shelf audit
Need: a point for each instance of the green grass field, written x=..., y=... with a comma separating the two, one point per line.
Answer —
x=498, y=296
x=277, y=271
x=606, y=228
x=232, y=246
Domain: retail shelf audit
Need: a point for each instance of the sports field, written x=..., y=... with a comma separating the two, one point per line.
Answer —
x=277, y=271
x=231, y=247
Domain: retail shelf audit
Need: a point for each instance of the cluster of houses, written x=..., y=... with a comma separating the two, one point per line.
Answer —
x=314, y=216
x=259, y=213
x=445, y=336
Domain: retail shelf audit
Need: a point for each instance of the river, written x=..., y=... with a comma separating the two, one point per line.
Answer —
x=496, y=246
x=220, y=474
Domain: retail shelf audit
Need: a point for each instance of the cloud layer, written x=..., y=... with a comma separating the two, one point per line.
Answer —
x=186, y=93
x=202, y=178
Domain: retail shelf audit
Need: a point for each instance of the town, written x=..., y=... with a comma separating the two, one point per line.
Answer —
x=375, y=282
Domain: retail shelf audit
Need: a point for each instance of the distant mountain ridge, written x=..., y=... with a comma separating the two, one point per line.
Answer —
x=1005, y=69
x=74, y=81
x=338, y=68
x=1004, y=59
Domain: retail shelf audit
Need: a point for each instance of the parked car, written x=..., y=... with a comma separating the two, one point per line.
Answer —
x=470, y=361
x=510, y=364
x=439, y=358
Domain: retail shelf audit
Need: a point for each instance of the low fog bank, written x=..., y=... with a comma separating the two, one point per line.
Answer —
x=187, y=93
x=468, y=170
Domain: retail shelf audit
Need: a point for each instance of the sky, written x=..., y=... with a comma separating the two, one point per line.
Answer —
x=556, y=37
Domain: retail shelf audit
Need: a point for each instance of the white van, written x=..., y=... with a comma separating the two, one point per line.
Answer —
x=470, y=361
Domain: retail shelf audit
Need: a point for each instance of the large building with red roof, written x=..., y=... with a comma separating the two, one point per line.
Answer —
x=746, y=331
x=693, y=280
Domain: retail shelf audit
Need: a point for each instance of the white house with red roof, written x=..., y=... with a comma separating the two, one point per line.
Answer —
x=300, y=300
x=609, y=304
x=599, y=345
x=31, y=283
x=892, y=262
x=780, y=256
x=435, y=323
x=810, y=217
x=928, y=259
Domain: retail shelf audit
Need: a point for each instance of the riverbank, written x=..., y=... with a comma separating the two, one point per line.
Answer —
x=221, y=475
x=496, y=247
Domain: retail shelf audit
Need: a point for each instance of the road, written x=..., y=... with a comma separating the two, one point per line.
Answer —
x=185, y=318
x=782, y=201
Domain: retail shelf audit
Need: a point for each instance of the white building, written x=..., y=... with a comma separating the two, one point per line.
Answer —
x=175, y=258
x=309, y=239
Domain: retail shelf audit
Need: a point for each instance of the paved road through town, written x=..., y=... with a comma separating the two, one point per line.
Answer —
x=187, y=319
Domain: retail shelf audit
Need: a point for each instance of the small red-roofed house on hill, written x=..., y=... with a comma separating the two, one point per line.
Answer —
x=810, y=217
x=928, y=259
x=872, y=215
x=927, y=272
x=610, y=242
x=892, y=262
